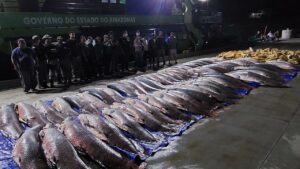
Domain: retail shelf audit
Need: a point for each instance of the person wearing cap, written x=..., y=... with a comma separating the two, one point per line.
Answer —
x=41, y=61
x=125, y=46
x=23, y=62
x=51, y=55
x=64, y=60
x=172, y=46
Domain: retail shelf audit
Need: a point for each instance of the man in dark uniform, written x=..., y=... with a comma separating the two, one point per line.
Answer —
x=23, y=62
x=39, y=55
x=65, y=60
x=83, y=67
x=139, y=45
x=72, y=53
x=51, y=55
x=91, y=55
x=161, y=47
x=172, y=47
x=153, y=51
x=107, y=53
x=99, y=56
x=125, y=46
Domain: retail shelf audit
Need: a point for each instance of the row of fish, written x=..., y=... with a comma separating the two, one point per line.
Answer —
x=118, y=125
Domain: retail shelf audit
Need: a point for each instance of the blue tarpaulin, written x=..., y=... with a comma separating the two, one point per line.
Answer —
x=6, y=147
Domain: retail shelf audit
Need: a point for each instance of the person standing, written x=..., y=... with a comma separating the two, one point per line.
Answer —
x=139, y=45
x=83, y=66
x=72, y=53
x=65, y=61
x=107, y=53
x=99, y=56
x=153, y=51
x=41, y=61
x=125, y=46
x=23, y=62
x=91, y=56
x=51, y=55
x=172, y=46
x=161, y=47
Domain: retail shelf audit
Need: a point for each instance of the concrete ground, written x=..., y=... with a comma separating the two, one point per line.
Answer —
x=262, y=131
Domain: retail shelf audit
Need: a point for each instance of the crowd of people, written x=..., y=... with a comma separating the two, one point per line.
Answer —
x=86, y=59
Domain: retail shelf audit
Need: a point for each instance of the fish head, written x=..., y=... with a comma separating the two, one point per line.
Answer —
x=21, y=112
x=117, y=118
x=65, y=124
x=84, y=119
x=42, y=132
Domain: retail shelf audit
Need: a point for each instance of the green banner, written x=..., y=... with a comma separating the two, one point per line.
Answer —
x=39, y=20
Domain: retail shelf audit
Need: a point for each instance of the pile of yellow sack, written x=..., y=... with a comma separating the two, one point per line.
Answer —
x=264, y=55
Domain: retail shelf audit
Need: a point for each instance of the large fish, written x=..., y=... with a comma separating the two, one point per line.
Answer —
x=126, y=123
x=156, y=112
x=9, y=123
x=184, y=73
x=85, y=142
x=203, y=98
x=210, y=91
x=193, y=103
x=223, y=67
x=249, y=76
x=146, y=88
x=174, y=75
x=182, y=104
x=93, y=100
x=117, y=97
x=30, y=116
x=157, y=78
x=49, y=112
x=283, y=65
x=166, y=108
x=173, y=100
x=228, y=81
x=83, y=105
x=217, y=88
x=109, y=133
x=142, y=117
x=59, y=151
x=134, y=84
x=272, y=67
x=262, y=71
x=204, y=71
x=243, y=62
x=28, y=153
x=63, y=107
x=167, y=77
x=100, y=94
x=124, y=89
x=151, y=83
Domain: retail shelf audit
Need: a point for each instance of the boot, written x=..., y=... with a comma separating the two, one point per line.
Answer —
x=51, y=83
